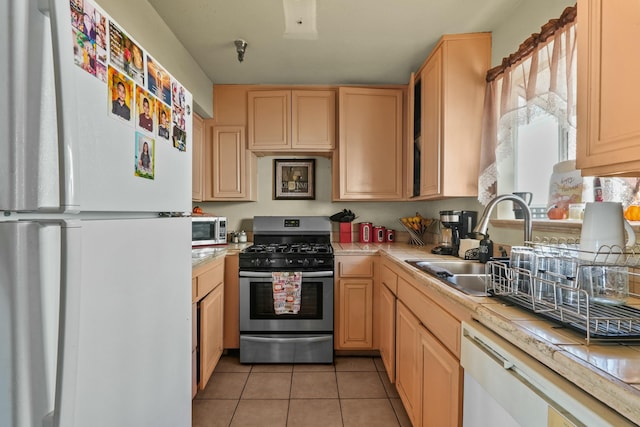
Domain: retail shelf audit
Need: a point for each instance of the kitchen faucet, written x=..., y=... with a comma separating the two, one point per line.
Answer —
x=483, y=224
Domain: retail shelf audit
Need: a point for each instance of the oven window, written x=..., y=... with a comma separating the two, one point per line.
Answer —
x=261, y=301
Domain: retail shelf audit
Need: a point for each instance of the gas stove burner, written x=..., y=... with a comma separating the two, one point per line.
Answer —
x=291, y=248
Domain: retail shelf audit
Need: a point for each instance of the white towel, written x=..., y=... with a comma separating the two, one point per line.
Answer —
x=287, y=289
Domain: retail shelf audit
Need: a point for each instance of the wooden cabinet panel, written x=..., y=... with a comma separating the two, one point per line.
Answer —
x=197, y=159
x=452, y=81
x=443, y=325
x=207, y=280
x=313, y=120
x=387, y=342
x=389, y=278
x=211, y=327
x=291, y=120
x=356, y=314
x=408, y=362
x=269, y=120
x=368, y=164
x=608, y=134
x=230, y=168
x=210, y=279
x=356, y=266
x=430, y=154
x=441, y=384
x=231, y=302
x=355, y=290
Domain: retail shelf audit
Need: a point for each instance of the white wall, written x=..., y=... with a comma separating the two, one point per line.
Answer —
x=157, y=39
x=387, y=214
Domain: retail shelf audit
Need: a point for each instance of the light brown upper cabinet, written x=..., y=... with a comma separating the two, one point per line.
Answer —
x=197, y=159
x=608, y=138
x=443, y=150
x=291, y=120
x=230, y=168
x=368, y=162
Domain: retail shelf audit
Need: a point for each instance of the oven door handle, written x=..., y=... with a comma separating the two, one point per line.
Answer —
x=305, y=275
x=285, y=340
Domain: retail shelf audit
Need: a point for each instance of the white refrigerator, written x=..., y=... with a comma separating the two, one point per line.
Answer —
x=95, y=277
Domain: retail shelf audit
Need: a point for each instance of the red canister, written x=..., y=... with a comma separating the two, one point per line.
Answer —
x=391, y=235
x=366, y=232
x=379, y=234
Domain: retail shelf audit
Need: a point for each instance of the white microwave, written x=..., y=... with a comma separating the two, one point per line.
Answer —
x=208, y=230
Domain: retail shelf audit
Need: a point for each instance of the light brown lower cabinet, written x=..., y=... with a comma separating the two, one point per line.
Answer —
x=208, y=319
x=441, y=383
x=408, y=362
x=211, y=322
x=387, y=332
x=428, y=376
x=231, y=301
x=353, y=302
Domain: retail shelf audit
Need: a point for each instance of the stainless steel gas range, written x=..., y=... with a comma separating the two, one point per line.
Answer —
x=286, y=291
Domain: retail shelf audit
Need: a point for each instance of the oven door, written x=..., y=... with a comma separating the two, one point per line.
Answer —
x=256, y=304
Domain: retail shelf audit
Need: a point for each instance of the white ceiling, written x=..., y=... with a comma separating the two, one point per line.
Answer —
x=359, y=41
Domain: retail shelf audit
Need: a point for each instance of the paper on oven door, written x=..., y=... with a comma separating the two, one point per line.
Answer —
x=287, y=289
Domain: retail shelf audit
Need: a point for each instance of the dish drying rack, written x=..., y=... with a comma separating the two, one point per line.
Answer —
x=559, y=297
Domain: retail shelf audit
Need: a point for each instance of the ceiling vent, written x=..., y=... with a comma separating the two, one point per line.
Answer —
x=300, y=19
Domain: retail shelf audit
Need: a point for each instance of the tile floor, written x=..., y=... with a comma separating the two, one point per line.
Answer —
x=353, y=392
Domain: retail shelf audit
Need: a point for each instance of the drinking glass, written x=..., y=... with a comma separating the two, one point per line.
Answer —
x=605, y=284
x=522, y=258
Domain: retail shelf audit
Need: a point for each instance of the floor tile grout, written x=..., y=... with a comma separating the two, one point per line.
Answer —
x=355, y=365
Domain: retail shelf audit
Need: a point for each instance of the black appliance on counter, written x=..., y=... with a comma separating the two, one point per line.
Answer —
x=300, y=245
x=461, y=224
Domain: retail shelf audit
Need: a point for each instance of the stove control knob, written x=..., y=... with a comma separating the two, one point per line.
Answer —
x=255, y=262
x=315, y=262
x=305, y=263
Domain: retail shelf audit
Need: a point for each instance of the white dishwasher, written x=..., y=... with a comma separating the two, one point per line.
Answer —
x=504, y=386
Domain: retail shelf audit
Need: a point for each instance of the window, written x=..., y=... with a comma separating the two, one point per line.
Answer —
x=529, y=114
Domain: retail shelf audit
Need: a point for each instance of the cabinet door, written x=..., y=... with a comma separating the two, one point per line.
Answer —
x=211, y=332
x=313, y=120
x=197, y=173
x=355, y=314
x=387, y=314
x=608, y=110
x=369, y=160
x=441, y=383
x=430, y=154
x=269, y=120
x=228, y=165
x=408, y=362
x=231, y=302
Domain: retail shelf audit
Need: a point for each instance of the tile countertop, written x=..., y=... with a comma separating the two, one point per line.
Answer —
x=609, y=372
x=200, y=256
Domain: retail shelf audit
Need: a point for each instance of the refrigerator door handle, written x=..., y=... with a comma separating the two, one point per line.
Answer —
x=66, y=102
x=70, y=286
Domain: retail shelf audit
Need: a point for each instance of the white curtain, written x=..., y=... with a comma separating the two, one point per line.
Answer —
x=539, y=78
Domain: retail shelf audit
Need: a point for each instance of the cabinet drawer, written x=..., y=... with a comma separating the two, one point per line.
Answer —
x=389, y=279
x=208, y=280
x=438, y=321
x=355, y=266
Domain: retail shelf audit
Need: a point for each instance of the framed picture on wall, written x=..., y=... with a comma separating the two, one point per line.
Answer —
x=294, y=179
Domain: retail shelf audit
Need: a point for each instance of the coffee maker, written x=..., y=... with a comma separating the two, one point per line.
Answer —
x=461, y=224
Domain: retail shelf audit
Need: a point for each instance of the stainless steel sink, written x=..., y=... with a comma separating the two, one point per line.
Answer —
x=465, y=276
x=453, y=267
